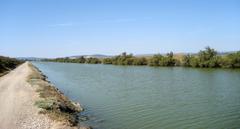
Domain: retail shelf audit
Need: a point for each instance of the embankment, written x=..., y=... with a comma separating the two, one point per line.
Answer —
x=7, y=64
x=27, y=100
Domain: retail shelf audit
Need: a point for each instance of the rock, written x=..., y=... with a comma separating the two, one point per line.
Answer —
x=77, y=106
x=83, y=118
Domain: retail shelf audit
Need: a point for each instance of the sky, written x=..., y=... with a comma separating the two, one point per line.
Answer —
x=58, y=28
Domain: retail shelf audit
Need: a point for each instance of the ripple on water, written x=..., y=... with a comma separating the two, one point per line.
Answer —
x=118, y=97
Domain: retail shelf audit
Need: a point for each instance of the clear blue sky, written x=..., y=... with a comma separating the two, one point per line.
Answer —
x=55, y=28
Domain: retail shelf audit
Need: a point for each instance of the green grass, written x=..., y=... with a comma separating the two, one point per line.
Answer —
x=45, y=104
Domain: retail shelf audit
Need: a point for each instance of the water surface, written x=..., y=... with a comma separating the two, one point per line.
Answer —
x=131, y=97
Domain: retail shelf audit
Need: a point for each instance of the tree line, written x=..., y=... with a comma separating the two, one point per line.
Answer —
x=7, y=64
x=207, y=58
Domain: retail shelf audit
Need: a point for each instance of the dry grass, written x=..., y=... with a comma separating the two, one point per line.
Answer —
x=52, y=101
x=2, y=74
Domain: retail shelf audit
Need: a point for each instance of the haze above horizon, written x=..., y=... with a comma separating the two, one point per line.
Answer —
x=58, y=28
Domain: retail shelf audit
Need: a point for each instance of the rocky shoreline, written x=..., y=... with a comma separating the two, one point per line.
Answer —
x=53, y=103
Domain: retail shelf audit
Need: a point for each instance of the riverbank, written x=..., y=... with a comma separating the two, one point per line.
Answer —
x=208, y=58
x=119, y=97
x=24, y=97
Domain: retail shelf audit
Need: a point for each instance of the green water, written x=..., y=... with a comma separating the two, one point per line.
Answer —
x=130, y=97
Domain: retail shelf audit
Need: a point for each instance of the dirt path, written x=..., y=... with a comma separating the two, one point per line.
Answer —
x=17, y=97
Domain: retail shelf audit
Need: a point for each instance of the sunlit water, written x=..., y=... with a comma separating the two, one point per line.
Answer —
x=130, y=97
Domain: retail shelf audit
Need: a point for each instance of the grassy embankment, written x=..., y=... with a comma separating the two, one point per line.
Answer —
x=52, y=102
x=7, y=64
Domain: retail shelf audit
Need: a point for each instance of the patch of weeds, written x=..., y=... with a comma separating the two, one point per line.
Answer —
x=45, y=104
x=53, y=102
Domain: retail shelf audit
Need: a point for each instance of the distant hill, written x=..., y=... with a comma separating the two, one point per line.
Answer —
x=101, y=56
x=91, y=56
x=30, y=58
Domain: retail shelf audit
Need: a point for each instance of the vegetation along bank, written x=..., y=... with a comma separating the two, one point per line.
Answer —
x=7, y=64
x=208, y=58
x=53, y=102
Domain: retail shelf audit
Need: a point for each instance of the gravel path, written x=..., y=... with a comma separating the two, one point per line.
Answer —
x=17, y=97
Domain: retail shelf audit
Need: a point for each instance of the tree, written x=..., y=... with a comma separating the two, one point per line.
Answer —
x=92, y=60
x=186, y=60
x=207, y=58
x=169, y=60
x=107, y=61
x=194, y=62
x=123, y=59
x=140, y=61
x=155, y=60
x=233, y=60
x=214, y=62
x=81, y=59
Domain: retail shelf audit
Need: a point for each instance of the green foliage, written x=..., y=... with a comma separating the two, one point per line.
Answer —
x=190, y=61
x=169, y=60
x=155, y=60
x=207, y=58
x=215, y=62
x=93, y=60
x=232, y=60
x=140, y=61
x=186, y=60
x=207, y=54
x=81, y=60
x=125, y=59
x=68, y=60
x=159, y=60
x=194, y=61
x=76, y=60
x=107, y=61
x=7, y=63
x=45, y=104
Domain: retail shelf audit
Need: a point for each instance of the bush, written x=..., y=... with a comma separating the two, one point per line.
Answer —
x=93, y=61
x=107, y=61
x=45, y=104
x=7, y=63
x=207, y=58
x=155, y=60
